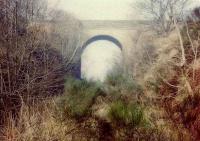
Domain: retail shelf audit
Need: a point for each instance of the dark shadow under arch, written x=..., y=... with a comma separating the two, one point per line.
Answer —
x=102, y=37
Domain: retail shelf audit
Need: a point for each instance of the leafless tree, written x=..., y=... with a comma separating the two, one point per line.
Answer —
x=162, y=13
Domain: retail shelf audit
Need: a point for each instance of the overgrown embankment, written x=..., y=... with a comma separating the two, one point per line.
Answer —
x=32, y=54
x=174, y=88
x=182, y=104
x=88, y=110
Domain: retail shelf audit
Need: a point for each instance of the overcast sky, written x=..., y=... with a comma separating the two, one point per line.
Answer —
x=99, y=9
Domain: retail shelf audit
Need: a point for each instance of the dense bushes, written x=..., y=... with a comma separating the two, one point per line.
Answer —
x=122, y=86
x=30, y=74
x=78, y=98
x=127, y=114
x=118, y=92
x=32, y=65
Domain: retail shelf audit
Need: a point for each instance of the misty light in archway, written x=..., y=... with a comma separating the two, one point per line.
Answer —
x=99, y=59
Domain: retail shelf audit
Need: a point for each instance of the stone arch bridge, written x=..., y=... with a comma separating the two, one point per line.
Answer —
x=121, y=33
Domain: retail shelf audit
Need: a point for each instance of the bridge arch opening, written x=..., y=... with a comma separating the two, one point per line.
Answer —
x=102, y=37
x=101, y=56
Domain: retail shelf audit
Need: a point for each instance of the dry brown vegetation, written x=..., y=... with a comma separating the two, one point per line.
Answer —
x=183, y=106
x=37, y=54
x=32, y=67
x=173, y=88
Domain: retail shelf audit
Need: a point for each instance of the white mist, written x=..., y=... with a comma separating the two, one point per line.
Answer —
x=99, y=59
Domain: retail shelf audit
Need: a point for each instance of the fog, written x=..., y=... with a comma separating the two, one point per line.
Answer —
x=99, y=59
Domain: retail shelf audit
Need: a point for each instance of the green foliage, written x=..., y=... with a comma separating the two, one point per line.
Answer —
x=78, y=99
x=127, y=114
x=118, y=85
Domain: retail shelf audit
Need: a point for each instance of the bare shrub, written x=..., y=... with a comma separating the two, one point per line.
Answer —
x=31, y=67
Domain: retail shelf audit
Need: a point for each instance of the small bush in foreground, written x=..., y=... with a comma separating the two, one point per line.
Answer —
x=78, y=99
x=127, y=114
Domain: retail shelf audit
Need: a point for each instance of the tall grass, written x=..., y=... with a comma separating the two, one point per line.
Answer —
x=37, y=123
